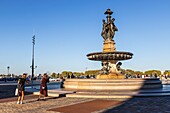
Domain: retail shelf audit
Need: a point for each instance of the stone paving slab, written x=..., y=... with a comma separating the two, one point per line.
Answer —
x=87, y=107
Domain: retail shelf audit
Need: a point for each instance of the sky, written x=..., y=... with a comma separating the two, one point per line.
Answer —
x=67, y=30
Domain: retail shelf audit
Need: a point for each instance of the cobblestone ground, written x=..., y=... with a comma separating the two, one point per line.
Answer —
x=33, y=106
x=134, y=105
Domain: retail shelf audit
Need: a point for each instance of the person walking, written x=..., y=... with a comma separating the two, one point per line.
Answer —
x=43, y=87
x=21, y=88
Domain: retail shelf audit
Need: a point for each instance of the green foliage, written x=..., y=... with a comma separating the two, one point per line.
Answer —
x=55, y=75
x=148, y=72
x=167, y=72
x=95, y=72
x=138, y=73
x=77, y=74
x=92, y=72
x=153, y=72
x=129, y=72
x=66, y=73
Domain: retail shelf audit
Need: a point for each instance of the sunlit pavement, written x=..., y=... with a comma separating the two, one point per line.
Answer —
x=134, y=105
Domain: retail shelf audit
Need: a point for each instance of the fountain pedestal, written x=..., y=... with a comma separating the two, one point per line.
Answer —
x=110, y=76
x=109, y=46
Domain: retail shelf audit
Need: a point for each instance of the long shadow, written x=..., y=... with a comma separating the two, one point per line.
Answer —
x=143, y=104
x=42, y=100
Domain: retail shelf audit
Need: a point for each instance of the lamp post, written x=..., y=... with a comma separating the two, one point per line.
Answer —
x=32, y=66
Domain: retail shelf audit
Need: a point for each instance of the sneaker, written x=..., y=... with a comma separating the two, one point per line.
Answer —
x=17, y=102
x=22, y=103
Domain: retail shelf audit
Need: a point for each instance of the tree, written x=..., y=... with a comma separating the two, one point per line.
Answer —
x=129, y=72
x=64, y=73
x=138, y=73
x=153, y=72
x=54, y=75
x=67, y=73
x=77, y=74
x=92, y=72
x=167, y=72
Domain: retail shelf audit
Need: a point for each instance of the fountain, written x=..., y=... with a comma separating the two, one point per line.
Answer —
x=110, y=57
x=111, y=82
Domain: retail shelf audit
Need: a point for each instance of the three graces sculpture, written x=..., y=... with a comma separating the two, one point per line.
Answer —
x=109, y=27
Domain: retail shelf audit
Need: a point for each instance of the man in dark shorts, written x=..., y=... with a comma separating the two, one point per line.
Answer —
x=21, y=88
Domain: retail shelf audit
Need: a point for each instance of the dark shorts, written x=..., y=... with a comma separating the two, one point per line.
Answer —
x=22, y=88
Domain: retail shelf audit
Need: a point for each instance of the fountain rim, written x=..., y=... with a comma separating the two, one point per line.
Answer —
x=117, y=52
x=108, y=53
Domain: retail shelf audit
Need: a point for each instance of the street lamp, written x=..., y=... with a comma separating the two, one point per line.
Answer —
x=32, y=66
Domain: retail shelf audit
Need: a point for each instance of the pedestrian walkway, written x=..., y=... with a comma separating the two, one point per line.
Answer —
x=31, y=105
x=86, y=105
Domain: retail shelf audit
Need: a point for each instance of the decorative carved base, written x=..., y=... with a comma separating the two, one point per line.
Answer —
x=110, y=76
x=109, y=46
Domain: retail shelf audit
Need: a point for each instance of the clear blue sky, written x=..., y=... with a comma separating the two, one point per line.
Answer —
x=67, y=30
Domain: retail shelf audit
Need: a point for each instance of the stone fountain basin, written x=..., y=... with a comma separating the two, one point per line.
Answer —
x=105, y=56
x=112, y=84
